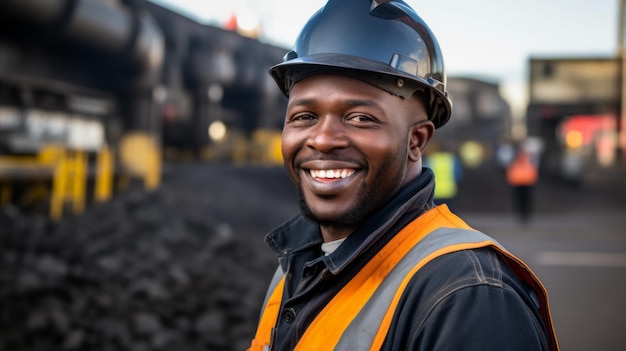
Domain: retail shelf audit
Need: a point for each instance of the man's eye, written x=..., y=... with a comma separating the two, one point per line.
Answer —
x=302, y=117
x=361, y=118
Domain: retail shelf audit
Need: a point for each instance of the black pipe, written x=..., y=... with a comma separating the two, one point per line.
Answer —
x=109, y=27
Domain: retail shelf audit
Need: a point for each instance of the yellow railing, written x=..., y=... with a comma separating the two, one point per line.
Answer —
x=67, y=172
x=66, y=169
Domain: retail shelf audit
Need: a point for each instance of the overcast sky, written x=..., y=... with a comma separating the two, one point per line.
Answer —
x=489, y=39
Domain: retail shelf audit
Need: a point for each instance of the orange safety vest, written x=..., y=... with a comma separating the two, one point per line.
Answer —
x=522, y=171
x=359, y=316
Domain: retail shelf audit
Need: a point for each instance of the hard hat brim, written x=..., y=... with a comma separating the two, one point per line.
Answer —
x=383, y=76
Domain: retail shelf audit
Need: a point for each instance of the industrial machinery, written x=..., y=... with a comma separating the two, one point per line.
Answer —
x=96, y=91
x=81, y=76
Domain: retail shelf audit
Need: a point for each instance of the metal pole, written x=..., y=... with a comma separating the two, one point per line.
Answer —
x=621, y=35
x=621, y=46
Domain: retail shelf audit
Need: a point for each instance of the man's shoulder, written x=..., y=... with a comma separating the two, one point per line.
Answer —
x=463, y=269
x=472, y=292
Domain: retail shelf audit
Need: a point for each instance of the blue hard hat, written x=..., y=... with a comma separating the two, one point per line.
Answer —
x=381, y=42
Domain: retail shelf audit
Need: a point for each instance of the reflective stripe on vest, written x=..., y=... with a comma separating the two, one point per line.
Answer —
x=359, y=316
x=442, y=165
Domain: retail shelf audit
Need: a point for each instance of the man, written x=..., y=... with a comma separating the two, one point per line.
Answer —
x=371, y=263
x=522, y=175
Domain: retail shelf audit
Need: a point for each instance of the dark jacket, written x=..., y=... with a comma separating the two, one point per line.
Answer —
x=467, y=300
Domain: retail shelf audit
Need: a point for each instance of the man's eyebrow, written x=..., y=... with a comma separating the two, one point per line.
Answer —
x=300, y=102
x=363, y=102
x=370, y=104
x=347, y=102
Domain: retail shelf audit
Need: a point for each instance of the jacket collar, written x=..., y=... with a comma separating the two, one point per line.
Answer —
x=299, y=234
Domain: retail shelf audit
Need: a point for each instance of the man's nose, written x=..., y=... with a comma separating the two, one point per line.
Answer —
x=329, y=134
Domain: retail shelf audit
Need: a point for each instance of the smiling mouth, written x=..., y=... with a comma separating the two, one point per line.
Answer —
x=330, y=174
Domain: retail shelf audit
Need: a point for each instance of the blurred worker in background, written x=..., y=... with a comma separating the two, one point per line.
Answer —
x=448, y=171
x=522, y=175
x=505, y=152
x=371, y=263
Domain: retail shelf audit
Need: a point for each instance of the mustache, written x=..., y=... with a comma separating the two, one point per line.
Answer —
x=324, y=157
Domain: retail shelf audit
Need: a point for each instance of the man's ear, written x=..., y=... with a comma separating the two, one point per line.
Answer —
x=420, y=135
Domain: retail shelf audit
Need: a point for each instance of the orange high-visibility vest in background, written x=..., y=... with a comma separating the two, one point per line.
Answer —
x=359, y=316
x=522, y=171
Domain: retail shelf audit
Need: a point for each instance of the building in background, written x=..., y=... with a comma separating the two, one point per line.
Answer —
x=574, y=110
x=481, y=117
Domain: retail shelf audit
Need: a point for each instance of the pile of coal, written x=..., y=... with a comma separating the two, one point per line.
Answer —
x=180, y=268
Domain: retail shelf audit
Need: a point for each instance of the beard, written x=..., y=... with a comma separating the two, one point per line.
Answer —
x=356, y=214
x=371, y=196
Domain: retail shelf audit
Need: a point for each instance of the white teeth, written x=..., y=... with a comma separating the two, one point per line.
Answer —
x=331, y=173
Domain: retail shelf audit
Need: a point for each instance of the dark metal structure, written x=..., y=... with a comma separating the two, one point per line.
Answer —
x=84, y=72
x=479, y=112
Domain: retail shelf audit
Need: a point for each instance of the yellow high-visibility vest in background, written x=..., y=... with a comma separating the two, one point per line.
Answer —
x=442, y=164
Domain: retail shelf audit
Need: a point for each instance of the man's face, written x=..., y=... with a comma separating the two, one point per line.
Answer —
x=349, y=147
